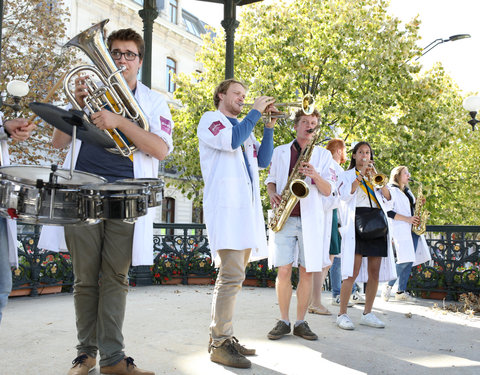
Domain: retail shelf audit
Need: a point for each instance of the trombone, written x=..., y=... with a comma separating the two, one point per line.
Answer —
x=307, y=105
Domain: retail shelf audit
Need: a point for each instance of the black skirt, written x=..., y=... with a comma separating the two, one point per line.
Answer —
x=371, y=248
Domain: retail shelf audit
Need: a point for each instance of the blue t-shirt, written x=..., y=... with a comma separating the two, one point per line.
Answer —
x=241, y=131
x=97, y=160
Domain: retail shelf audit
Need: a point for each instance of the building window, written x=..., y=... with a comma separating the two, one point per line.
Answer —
x=173, y=11
x=168, y=210
x=197, y=215
x=168, y=214
x=171, y=69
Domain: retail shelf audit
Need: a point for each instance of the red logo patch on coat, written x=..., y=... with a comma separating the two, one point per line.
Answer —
x=216, y=127
x=166, y=125
x=255, y=154
x=333, y=174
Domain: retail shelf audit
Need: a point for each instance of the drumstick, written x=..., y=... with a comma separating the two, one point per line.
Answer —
x=50, y=94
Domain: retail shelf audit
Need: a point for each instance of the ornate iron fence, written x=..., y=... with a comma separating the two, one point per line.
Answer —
x=182, y=255
x=455, y=264
x=38, y=269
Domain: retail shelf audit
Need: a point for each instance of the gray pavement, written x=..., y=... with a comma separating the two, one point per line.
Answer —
x=166, y=330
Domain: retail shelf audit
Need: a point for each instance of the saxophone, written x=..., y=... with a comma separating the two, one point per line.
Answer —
x=421, y=212
x=296, y=188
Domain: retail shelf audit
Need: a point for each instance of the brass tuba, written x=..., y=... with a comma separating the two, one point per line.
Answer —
x=421, y=212
x=114, y=91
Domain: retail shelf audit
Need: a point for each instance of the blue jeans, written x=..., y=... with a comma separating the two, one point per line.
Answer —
x=5, y=271
x=336, y=277
x=404, y=269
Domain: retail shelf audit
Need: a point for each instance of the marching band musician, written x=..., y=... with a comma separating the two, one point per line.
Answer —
x=18, y=130
x=305, y=227
x=230, y=157
x=102, y=253
x=368, y=256
x=411, y=249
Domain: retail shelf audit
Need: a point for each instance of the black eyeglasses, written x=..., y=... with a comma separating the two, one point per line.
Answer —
x=129, y=56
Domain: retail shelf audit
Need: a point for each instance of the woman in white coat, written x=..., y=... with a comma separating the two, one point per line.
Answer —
x=369, y=259
x=406, y=242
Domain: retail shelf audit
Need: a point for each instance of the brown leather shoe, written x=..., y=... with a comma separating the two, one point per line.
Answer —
x=242, y=349
x=82, y=365
x=125, y=367
x=227, y=355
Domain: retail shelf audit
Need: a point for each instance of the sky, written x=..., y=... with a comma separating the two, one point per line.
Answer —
x=439, y=19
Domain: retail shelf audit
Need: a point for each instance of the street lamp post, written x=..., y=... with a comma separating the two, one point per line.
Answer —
x=438, y=41
x=472, y=105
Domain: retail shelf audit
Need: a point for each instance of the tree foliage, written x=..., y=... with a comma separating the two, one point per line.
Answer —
x=367, y=83
x=33, y=31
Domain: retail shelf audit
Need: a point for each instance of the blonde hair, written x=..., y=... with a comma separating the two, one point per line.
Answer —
x=395, y=174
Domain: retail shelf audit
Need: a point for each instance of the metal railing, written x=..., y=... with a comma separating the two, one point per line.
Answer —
x=182, y=254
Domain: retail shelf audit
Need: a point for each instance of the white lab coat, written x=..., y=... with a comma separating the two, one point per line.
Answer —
x=347, y=231
x=11, y=224
x=160, y=121
x=402, y=231
x=231, y=201
x=316, y=227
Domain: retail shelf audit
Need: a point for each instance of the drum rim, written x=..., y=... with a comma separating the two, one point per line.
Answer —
x=31, y=182
x=146, y=181
x=87, y=188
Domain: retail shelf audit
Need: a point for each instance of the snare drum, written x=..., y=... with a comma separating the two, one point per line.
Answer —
x=154, y=185
x=26, y=195
x=113, y=201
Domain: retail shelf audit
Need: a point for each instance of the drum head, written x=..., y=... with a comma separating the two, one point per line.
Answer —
x=29, y=174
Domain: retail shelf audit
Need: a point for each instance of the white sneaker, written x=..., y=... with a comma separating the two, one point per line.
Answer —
x=336, y=302
x=405, y=296
x=386, y=292
x=344, y=322
x=357, y=298
x=371, y=320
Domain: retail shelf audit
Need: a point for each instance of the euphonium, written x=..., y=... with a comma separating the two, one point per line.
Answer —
x=295, y=188
x=421, y=212
x=114, y=93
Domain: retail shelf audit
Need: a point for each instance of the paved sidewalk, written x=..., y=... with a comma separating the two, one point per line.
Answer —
x=166, y=330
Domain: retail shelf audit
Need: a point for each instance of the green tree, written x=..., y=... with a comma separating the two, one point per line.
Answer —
x=360, y=58
x=33, y=31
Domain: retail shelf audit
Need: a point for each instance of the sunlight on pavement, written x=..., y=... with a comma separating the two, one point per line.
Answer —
x=442, y=361
x=270, y=359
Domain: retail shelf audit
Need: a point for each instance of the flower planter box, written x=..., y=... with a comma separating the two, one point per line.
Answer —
x=173, y=281
x=434, y=295
x=194, y=279
x=42, y=289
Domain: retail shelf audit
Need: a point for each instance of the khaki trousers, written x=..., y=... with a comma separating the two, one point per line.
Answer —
x=228, y=284
x=101, y=256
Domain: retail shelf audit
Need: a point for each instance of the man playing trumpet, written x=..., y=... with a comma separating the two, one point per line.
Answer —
x=230, y=157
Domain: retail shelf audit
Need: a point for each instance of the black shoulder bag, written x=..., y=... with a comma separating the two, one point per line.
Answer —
x=370, y=222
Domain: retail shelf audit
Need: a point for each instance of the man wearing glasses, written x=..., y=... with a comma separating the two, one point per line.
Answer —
x=102, y=253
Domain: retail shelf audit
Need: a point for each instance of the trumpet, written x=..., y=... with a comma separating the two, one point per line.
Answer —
x=378, y=180
x=307, y=105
